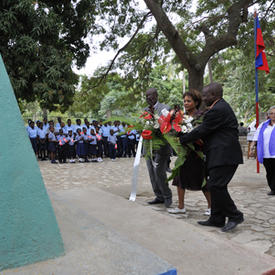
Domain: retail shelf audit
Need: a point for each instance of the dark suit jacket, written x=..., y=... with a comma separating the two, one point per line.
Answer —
x=219, y=131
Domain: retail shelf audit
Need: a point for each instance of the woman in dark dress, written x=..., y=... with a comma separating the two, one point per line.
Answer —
x=192, y=172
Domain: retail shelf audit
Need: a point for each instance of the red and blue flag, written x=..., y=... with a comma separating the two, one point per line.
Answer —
x=260, y=60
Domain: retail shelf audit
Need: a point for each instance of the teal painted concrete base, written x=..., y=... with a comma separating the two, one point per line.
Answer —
x=28, y=227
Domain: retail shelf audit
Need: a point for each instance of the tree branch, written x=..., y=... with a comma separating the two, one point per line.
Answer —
x=214, y=45
x=181, y=50
x=122, y=49
x=267, y=11
x=147, y=48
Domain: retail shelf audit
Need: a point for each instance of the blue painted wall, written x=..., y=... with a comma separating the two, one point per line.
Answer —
x=28, y=227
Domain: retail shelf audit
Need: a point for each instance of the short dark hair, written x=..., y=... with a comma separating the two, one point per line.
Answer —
x=195, y=95
x=215, y=89
x=152, y=90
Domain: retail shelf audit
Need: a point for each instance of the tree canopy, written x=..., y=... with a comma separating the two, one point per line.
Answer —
x=40, y=40
x=194, y=34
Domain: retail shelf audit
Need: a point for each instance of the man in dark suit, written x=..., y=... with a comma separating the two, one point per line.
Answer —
x=157, y=164
x=219, y=131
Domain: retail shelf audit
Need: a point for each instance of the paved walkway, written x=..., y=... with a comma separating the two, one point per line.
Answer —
x=248, y=189
x=104, y=233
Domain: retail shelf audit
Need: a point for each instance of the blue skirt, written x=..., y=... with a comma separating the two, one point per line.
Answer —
x=52, y=146
x=92, y=149
x=81, y=149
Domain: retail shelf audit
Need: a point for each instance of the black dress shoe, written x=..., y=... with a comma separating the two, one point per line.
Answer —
x=271, y=193
x=209, y=223
x=155, y=201
x=231, y=225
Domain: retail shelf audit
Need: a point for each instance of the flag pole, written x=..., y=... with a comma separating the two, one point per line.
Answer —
x=256, y=82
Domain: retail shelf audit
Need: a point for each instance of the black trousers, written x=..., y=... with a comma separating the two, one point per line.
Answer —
x=269, y=165
x=105, y=146
x=62, y=153
x=131, y=147
x=222, y=205
x=100, y=148
x=119, y=146
x=112, y=151
x=34, y=144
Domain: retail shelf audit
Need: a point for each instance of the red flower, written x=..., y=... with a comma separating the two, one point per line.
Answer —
x=146, y=134
x=177, y=121
x=176, y=126
x=146, y=116
x=164, y=123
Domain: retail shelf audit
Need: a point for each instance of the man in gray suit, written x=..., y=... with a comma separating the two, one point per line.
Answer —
x=157, y=164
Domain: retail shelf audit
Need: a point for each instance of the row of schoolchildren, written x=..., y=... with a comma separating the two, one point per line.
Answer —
x=84, y=141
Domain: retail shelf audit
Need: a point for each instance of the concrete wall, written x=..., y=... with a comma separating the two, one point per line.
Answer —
x=28, y=227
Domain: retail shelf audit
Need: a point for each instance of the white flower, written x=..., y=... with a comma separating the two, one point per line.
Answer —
x=165, y=112
x=188, y=119
x=156, y=125
x=189, y=125
x=184, y=129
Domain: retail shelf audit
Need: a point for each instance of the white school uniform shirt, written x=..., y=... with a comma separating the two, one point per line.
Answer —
x=71, y=140
x=56, y=129
x=84, y=126
x=77, y=127
x=57, y=126
x=68, y=128
x=112, y=139
x=52, y=137
x=100, y=132
x=267, y=134
x=252, y=131
x=122, y=130
x=32, y=132
x=116, y=130
x=105, y=130
x=41, y=133
x=91, y=127
x=85, y=137
x=46, y=127
x=132, y=134
x=79, y=138
x=93, y=139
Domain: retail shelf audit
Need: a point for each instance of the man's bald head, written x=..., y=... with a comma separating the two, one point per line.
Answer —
x=152, y=96
x=211, y=93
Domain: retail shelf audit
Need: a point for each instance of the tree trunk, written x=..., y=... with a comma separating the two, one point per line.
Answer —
x=45, y=113
x=210, y=71
x=195, y=62
x=109, y=114
x=195, y=79
x=183, y=81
